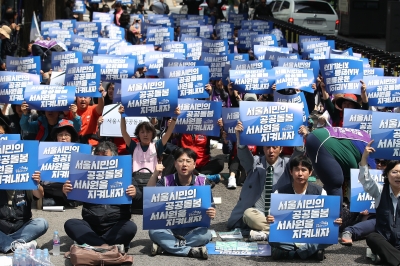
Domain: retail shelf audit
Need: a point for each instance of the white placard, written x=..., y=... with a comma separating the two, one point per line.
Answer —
x=111, y=123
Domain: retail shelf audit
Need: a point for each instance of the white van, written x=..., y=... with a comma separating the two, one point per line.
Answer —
x=316, y=15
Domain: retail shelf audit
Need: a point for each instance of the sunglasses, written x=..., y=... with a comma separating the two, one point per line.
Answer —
x=381, y=162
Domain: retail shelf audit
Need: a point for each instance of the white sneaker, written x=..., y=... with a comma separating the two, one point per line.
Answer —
x=258, y=236
x=232, y=182
x=20, y=244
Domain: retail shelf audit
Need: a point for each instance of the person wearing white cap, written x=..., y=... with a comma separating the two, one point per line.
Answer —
x=7, y=47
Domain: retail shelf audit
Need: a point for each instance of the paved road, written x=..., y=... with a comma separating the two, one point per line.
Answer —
x=140, y=246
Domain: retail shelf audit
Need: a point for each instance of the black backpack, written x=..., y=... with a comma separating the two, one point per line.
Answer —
x=125, y=18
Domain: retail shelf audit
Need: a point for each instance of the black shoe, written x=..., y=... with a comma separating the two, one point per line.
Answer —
x=321, y=254
x=280, y=254
x=198, y=252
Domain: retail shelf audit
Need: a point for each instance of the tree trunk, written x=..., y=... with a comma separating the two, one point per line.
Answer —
x=49, y=10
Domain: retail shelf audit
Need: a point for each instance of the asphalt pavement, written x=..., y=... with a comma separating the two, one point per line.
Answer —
x=141, y=244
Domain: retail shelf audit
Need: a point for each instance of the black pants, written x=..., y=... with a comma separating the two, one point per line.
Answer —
x=380, y=246
x=81, y=232
x=215, y=166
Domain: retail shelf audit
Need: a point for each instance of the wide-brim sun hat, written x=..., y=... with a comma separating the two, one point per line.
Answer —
x=348, y=97
x=67, y=125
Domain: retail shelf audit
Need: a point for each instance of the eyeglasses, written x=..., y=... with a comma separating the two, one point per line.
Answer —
x=381, y=162
x=188, y=161
x=60, y=135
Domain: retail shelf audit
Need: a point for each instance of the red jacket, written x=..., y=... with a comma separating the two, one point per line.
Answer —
x=200, y=144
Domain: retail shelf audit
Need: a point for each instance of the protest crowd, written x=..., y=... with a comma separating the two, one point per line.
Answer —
x=120, y=115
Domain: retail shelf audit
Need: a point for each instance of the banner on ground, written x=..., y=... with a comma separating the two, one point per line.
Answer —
x=100, y=179
x=271, y=123
x=358, y=119
x=176, y=207
x=18, y=162
x=198, y=117
x=54, y=159
x=304, y=218
x=361, y=200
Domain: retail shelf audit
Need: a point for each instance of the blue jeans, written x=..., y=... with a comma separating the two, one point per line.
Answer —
x=304, y=251
x=362, y=229
x=28, y=232
x=193, y=237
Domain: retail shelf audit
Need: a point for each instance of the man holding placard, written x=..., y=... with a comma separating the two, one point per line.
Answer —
x=300, y=170
x=182, y=241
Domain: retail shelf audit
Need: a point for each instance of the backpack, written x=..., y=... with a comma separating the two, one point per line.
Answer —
x=98, y=255
x=125, y=18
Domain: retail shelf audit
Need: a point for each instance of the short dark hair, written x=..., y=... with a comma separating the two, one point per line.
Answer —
x=390, y=165
x=181, y=151
x=105, y=146
x=146, y=126
x=301, y=160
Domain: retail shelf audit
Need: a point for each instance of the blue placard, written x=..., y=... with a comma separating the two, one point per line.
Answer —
x=264, y=39
x=172, y=62
x=100, y=179
x=192, y=81
x=29, y=64
x=348, y=51
x=67, y=24
x=189, y=38
x=358, y=119
x=295, y=98
x=61, y=35
x=12, y=86
x=236, y=19
x=18, y=163
x=105, y=44
x=245, y=24
x=385, y=133
x=10, y=137
x=275, y=56
x=318, y=47
x=341, y=75
x=383, y=91
x=154, y=61
x=86, y=79
x=84, y=45
x=189, y=31
x=244, y=38
x=230, y=117
x=49, y=98
x=304, y=218
x=306, y=38
x=296, y=63
x=137, y=50
x=194, y=49
x=115, y=68
x=159, y=35
x=264, y=250
x=239, y=57
x=87, y=58
x=54, y=159
x=224, y=30
x=198, y=117
x=257, y=81
x=271, y=123
x=174, y=47
x=294, y=78
x=192, y=23
x=46, y=25
x=88, y=29
x=217, y=47
x=163, y=21
x=261, y=26
x=114, y=32
x=217, y=64
x=176, y=207
x=361, y=200
x=103, y=17
x=60, y=60
x=240, y=65
x=149, y=97
x=374, y=71
x=79, y=7
x=177, y=18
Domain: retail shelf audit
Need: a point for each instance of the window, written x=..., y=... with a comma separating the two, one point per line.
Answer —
x=310, y=7
x=285, y=5
x=277, y=6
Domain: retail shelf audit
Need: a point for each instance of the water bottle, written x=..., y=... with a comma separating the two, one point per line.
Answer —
x=16, y=259
x=56, y=243
x=22, y=260
x=46, y=256
x=38, y=257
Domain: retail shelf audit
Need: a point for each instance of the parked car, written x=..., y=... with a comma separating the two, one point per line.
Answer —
x=316, y=15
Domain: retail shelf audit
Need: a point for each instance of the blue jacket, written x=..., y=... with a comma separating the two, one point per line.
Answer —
x=40, y=127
